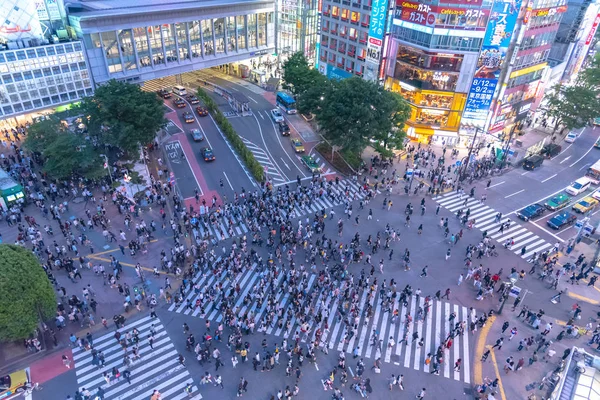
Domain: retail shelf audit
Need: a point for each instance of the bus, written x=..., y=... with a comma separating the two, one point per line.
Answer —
x=593, y=173
x=286, y=102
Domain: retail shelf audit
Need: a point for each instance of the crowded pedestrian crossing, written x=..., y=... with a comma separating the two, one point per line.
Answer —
x=377, y=336
x=486, y=220
x=157, y=368
x=227, y=228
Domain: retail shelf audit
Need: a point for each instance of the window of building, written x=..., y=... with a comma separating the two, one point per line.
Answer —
x=37, y=103
x=335, y=12
x=51, y=51
x=21, y=55
x=27, y=75
x=425, y=79
x=47, y=101
x=68, y=47
x=37, y=73
x=41, y=52
x=7, y=79
x=77, y=46
x=31, y=53
x=355, y=17
x=345, y=14
x=10, y=56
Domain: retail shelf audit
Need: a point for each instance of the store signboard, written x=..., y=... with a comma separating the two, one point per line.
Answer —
x=590, y=35
x=426, y=15
x=375, y=41
x=463, y=2
x=337, y=73
x=40, y=8
x=53, y=10
x=489, y=64
x=417, y=13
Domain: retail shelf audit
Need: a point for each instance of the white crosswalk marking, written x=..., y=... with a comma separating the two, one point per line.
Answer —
x=157, y=369
x=432, y=329
x=485, y=220
x=223, y=229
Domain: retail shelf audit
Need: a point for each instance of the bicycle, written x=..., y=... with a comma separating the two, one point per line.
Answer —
x=29, y=388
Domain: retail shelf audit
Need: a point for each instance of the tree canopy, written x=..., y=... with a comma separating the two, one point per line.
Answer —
x=351, y=112
x=573, y=106
x=27, y=294
x=121, y=114
x=64, y=153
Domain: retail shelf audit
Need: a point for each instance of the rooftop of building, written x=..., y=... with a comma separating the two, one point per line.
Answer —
x=581, y=377
x=103, y=8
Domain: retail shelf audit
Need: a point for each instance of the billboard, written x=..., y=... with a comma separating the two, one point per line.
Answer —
x=498, y=36
x=375, y=42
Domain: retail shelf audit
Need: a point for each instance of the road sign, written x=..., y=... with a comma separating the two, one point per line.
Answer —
x=514, y=291
x=458, y=163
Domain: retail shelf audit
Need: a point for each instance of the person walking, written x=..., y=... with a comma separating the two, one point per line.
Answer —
x=421, y=394
x=66, y=361
x=499, y=344
x=447, y=294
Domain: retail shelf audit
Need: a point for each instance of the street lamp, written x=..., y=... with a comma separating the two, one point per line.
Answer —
x=507, y=288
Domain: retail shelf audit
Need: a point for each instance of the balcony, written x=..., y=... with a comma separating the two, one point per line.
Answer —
x=349, y=69
x=341, y=65
x=361, y=58
x=351, y=54
x=327, y=13
x=343, y=34
x=364, y=24
x=356, y=5
x=325, y=28
x=363, y=41
x=354, y=38
x=334, y=32
x=358, y=73
x=353, y=22
x=342, y=50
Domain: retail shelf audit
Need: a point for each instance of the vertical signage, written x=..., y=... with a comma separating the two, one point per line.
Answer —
x=53, y=10
x=498, y=36
x=375, y=40
x=590, y=35
x=40, y=8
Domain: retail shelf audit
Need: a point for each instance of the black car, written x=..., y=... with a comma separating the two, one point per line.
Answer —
x=284, y=128
x=531, y=211
x=562, y=219
x=164, y=94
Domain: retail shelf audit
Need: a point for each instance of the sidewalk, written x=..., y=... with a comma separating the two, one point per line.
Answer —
x=110, y=302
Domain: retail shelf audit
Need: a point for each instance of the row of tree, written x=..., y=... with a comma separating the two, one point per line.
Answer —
x=118, y=116
x=574, y=106
x=351, y=113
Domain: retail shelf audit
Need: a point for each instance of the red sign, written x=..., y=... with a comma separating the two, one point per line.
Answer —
x=548, y=12
x=421, y=14
x=590, y=35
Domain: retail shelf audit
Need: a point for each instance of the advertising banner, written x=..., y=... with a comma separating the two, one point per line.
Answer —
x=53, y=10
x=491, y=58
x=417, y=13
x=40, y=8
x=465, y=2
x=375, y=41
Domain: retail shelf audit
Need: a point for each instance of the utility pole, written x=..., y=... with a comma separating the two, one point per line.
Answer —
x=466, y=164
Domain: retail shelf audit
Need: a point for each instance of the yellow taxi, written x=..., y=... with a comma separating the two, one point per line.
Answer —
x=585, y=205
x=13, y=383
x=297, y=146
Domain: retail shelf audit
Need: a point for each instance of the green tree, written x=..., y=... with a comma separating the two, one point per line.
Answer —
x=397, y=110
x=121, y=114
x=64, y=152
x=572, y=106
x=355, y=111
x=311, y=100
x=27, y=295
x=298, y=76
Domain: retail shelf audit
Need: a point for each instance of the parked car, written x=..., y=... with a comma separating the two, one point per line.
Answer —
x=562, y=219
x=197, y=135
x=531, y=211
x=558, y=202
x=551, y=150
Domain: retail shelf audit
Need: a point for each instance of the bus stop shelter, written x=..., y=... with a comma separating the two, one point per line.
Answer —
x=240, y=103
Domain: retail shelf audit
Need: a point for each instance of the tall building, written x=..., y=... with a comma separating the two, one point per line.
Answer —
x=433, y=57
x=42, y=65
x=352, y=37
x=525, y=76
x=297, y=28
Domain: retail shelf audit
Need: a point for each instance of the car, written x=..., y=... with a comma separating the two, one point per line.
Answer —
x=179, y=103
x=531, y=211
x=311, y=164
x=276, y=115
x=188, y=117
x=297, y=146
x=596, y=194
x=165, y=94
x=202, y=111
x=192, y=99
x=570, y=138
x=13, y=383
x=207, y=154
x=284, y=128
x=532, y=162
x=562, y=219
x=551, y=150
x=558, y=202
x=579, y=186
x=586, y=204
x=197, y=135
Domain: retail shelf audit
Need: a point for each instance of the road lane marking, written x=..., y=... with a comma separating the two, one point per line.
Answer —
x=228, y=181
x=284, y=163
x=525, y=173
x=567, y=158
x=259, y=113
x=548, y=232
x=547, y=179
x=479, y=350
x=266, y=148
x=582, y=298
x=584, y=166
x=580, y=158
x=495, y=364
x=515, y=193
x=498, y=184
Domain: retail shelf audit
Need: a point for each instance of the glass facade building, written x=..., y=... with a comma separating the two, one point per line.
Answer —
x=155, y=39
x=297, y=28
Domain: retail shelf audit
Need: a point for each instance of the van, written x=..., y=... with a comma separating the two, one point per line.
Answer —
x=532, y=162
x=179, y=90
x=579, y=186
x=551, y=150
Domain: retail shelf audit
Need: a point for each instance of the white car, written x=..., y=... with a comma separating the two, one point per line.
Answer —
x=276, y=115
x=579, y=186
x=570, y=138
x=596, y=194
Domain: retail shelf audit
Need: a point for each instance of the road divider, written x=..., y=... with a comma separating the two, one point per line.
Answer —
x=227, y=129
